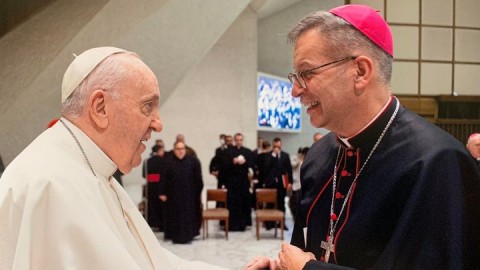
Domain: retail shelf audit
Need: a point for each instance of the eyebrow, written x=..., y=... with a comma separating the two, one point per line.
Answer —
x=154, y=97
x=304, y=65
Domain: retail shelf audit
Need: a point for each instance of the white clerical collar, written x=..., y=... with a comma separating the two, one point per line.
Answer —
x=100, y=162
x=345, y=140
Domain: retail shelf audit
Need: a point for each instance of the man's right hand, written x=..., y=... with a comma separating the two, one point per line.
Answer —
x=261, y=263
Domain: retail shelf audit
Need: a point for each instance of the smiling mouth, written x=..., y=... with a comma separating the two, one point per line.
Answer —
x=311, y=104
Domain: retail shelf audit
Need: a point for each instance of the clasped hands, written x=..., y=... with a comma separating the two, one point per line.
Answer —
x=289, y=258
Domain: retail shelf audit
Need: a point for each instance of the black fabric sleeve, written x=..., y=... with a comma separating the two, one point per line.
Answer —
x=318, y=265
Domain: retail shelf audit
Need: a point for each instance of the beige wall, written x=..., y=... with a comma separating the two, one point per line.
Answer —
x=216, y=96
x=436, y=45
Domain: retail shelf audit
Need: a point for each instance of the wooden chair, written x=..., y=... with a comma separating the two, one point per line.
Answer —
x=222, y=213
x=268, y=196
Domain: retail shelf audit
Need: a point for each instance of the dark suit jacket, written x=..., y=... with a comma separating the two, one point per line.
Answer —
x=271, y=169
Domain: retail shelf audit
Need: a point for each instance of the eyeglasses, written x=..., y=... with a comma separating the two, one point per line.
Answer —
x=300, y=77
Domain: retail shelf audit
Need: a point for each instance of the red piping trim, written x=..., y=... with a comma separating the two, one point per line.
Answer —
x=320, y=194
x=348, y=208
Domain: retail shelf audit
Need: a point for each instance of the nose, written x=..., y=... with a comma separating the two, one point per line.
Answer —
x=156, y=123
x=297, y=90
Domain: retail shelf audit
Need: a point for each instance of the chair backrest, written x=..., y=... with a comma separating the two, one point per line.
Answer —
x=266, y=195
x=217, y=195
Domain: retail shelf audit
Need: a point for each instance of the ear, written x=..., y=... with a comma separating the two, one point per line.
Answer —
x=364, y=73
x=97, y=108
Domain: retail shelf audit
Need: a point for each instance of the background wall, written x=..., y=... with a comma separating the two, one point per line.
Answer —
x=436, y=45
x=216, y=96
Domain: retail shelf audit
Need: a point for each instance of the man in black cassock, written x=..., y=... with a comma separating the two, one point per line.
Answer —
x=219, y=161
x=238, y=185
x=284, y=182
x=2, y=166
x=182, y=193
x=257, y=151
x=153, y=172
x=473, y=146
x=261, y=168
x=385, y=189
x=276, y=172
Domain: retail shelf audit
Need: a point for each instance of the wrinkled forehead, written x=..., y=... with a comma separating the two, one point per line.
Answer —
x=474, y=139
x=140, y=76
x=309, y=47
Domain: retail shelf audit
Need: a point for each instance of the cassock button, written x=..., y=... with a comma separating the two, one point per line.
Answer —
x=350, y=153
x=338, y=195
x=345, y=173
x=333, y=217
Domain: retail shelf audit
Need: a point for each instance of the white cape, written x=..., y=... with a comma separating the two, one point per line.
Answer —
x=55, y=214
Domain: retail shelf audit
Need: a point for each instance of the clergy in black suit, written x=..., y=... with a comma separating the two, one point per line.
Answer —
x=218, y=164
x=238, y=185
x=473, y=146
x=182, y=192
x=154, y=172
x=284, y=183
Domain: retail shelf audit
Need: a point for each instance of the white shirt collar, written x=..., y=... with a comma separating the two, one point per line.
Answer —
x=100, y=162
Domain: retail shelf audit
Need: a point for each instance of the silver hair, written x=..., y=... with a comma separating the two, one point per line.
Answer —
x=107, y=76
x=341, y=38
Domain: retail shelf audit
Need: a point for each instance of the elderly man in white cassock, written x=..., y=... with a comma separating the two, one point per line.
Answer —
x=60, y=207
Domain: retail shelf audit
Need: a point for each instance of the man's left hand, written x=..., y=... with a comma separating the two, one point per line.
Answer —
x=293, y=258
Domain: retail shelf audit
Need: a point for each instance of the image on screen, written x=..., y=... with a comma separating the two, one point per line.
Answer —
x=277, y=109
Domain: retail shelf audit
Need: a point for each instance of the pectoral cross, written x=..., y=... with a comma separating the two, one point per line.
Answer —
x=328, y=246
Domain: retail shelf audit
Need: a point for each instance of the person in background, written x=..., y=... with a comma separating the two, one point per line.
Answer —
x=118, y=176
x=255, y=153
x=65, y=210
x=317, y=136
x=218, y=168
x=228, y=140
x=52, y=122
x=278, y=174
x=182, y=193
x=2, y=166
x=218, y=162
x=190, y=151
x=222, y=146
x=294, y=200
x=473, y=146
x=261, y=171
x=159, y=142
x=154, y=172
x=385, y=189
x=260, y=166
x=238, y=184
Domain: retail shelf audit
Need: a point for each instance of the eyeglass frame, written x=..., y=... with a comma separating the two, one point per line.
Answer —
x=298, y=77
